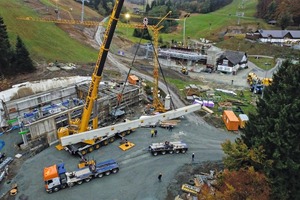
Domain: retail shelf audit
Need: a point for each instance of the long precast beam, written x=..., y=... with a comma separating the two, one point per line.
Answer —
x=129, y=125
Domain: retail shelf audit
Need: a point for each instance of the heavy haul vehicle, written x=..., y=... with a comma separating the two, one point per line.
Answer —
x=102, y=136
x=168, y=147
x=56, y=177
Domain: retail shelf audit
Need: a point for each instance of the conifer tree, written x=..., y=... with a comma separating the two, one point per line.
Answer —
x=22, y=62
x=5, y=49
x=276, y=127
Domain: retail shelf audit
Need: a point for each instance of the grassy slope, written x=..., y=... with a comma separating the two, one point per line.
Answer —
x=43, y=40
x=209, y=25
x=198, y=26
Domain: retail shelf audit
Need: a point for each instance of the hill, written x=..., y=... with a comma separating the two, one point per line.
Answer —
x=46, y=41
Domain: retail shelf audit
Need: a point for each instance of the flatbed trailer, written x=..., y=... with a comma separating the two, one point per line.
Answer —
x=56, y=177
x=81, y=148
x=168, y=147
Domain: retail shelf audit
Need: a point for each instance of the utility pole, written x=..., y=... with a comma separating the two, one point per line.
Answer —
x=82, y=10
x=57, y=10
x=185, y=16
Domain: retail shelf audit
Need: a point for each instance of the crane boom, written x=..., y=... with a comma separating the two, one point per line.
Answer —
x=96, y=77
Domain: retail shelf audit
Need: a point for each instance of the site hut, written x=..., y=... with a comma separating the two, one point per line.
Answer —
x=231, y=121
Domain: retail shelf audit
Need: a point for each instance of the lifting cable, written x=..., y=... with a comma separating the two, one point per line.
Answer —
x=130, y=68
x=156, y=57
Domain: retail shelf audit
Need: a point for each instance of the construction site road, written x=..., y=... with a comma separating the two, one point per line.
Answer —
x=137, y=178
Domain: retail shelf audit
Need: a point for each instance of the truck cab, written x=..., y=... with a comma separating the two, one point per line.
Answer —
x=54, y=177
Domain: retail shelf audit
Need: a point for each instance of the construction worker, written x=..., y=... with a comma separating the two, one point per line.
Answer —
x=152, y=132
x=155, y=132
x=193, y=157
x=159, y=177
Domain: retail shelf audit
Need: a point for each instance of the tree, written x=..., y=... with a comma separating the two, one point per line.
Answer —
x=276, y=127
x=236, y=185
x=5, y=49
x=285, y=20
x=147, y=8
x=22, y=62
x=243, y=184
x=239, y=156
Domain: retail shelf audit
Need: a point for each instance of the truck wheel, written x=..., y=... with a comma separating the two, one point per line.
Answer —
x=163, y=152
x=79, y=182
x=70, y=184
x=171, y=152
x=112, y=139
x=97, y=146
x=128, y=132
x=107, y=173
x=154, y=153
x=83, y=152
x=177, y=151
x=114, y=171
x=100, y=175
x=183, y=151
x=123, y=134
x=87, y=179
x=105, y=142
x=55, y=189
x=49, y=191
x=90, y=149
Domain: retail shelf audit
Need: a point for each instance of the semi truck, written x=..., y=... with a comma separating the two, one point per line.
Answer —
x=56, y=177
x=168, y=147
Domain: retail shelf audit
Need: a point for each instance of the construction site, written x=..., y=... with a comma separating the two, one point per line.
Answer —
x=102, y=137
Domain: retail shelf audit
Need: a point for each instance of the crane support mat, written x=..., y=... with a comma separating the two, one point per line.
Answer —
x=126, y=146
x=190, y=189
x=59, y=147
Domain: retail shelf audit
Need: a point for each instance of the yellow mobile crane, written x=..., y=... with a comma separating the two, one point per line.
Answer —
x=83, y=124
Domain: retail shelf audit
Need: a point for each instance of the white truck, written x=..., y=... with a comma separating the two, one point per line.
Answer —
x=168, y=147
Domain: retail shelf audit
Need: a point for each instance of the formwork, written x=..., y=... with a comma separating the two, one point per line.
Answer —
x=42, y=123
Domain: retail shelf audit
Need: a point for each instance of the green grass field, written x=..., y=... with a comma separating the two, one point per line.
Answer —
x=209, y=25
x=45, y=41
x=263, y=63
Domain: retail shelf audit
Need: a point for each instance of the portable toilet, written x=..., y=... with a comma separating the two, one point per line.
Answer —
x=231, y=121
x=243, y=118
x=168, y=102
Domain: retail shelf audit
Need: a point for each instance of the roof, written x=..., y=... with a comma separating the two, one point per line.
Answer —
x=215, y=49
x=243, y=117
x=133, y=77
x=279, y=33
x=231, y=116
x=234, y=57
x=50, y=172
